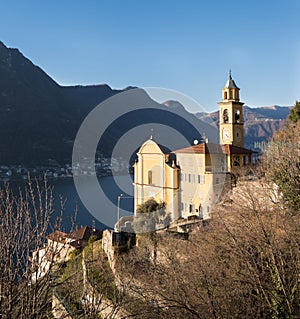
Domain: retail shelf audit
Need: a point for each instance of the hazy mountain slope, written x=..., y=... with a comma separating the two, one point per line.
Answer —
x=39, y=119
x=260, y=122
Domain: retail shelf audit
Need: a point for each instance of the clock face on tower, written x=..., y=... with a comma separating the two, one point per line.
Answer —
x=226, y=134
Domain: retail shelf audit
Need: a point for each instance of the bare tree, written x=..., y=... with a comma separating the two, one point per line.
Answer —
x=25, y=220
x=243, y=264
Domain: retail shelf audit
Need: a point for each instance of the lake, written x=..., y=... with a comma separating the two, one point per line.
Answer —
x=106, y=214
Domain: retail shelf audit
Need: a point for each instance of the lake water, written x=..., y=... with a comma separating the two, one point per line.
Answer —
x=106, y=214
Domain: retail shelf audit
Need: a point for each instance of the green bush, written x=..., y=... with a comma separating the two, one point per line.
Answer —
x=93, y=239
x=74, y=253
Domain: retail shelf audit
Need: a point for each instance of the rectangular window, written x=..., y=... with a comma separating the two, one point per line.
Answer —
x=182, y=206
x=190, y=178
x=149, y=177
x=217, y=180
x=207, y=209
x=223, y=164
x=193, y=178
x=182, y=177
x=201, y=179
x=200, y=211
x=191, y=208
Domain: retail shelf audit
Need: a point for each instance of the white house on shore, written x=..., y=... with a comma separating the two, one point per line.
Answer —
x=57, y=249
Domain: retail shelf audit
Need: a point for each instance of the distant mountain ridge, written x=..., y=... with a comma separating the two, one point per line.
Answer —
x=260, y=123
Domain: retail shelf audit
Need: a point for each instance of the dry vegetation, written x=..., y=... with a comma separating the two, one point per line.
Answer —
x=243, y=264
x=25, y=220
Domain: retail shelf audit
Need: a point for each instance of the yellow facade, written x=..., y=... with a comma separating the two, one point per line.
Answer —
x=191, y=180
x=156, y=177
x=202, y=178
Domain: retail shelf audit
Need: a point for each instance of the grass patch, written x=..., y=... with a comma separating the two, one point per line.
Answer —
x=100, y=275
x=69, y=288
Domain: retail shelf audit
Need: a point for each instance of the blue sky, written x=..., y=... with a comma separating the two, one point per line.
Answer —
x=187, y=46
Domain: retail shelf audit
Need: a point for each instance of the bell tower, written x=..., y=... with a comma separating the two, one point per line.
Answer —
x=231, y=115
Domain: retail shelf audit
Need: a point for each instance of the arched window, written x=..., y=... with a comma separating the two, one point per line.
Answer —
x=200, y=211
x=149, y=177
x=237, y=116
x=225, y=116
x=225, y=96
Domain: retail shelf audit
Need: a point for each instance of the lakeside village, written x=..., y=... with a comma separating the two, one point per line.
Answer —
x=104, y=167
x=231, y=133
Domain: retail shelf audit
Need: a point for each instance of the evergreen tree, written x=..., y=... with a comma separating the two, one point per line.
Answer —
x=295, y=113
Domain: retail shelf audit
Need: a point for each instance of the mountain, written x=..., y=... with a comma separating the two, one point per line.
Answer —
x=39, y=119
x=260, y=122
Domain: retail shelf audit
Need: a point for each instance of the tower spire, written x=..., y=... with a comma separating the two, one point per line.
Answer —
x=231, y=115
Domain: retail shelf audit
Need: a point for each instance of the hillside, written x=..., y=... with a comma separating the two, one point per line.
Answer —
x=39, y=118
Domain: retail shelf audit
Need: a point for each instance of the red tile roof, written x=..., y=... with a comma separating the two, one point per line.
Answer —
x=58, y=236
x=210, y=148
x=84, y=233
x=203, y=148
x=232, y=149
x=78, y=237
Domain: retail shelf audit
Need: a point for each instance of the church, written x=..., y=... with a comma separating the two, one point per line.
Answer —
x=191, y=180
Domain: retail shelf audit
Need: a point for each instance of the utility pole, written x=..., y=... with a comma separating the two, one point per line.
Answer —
x=118, y=212
x=119, y=198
